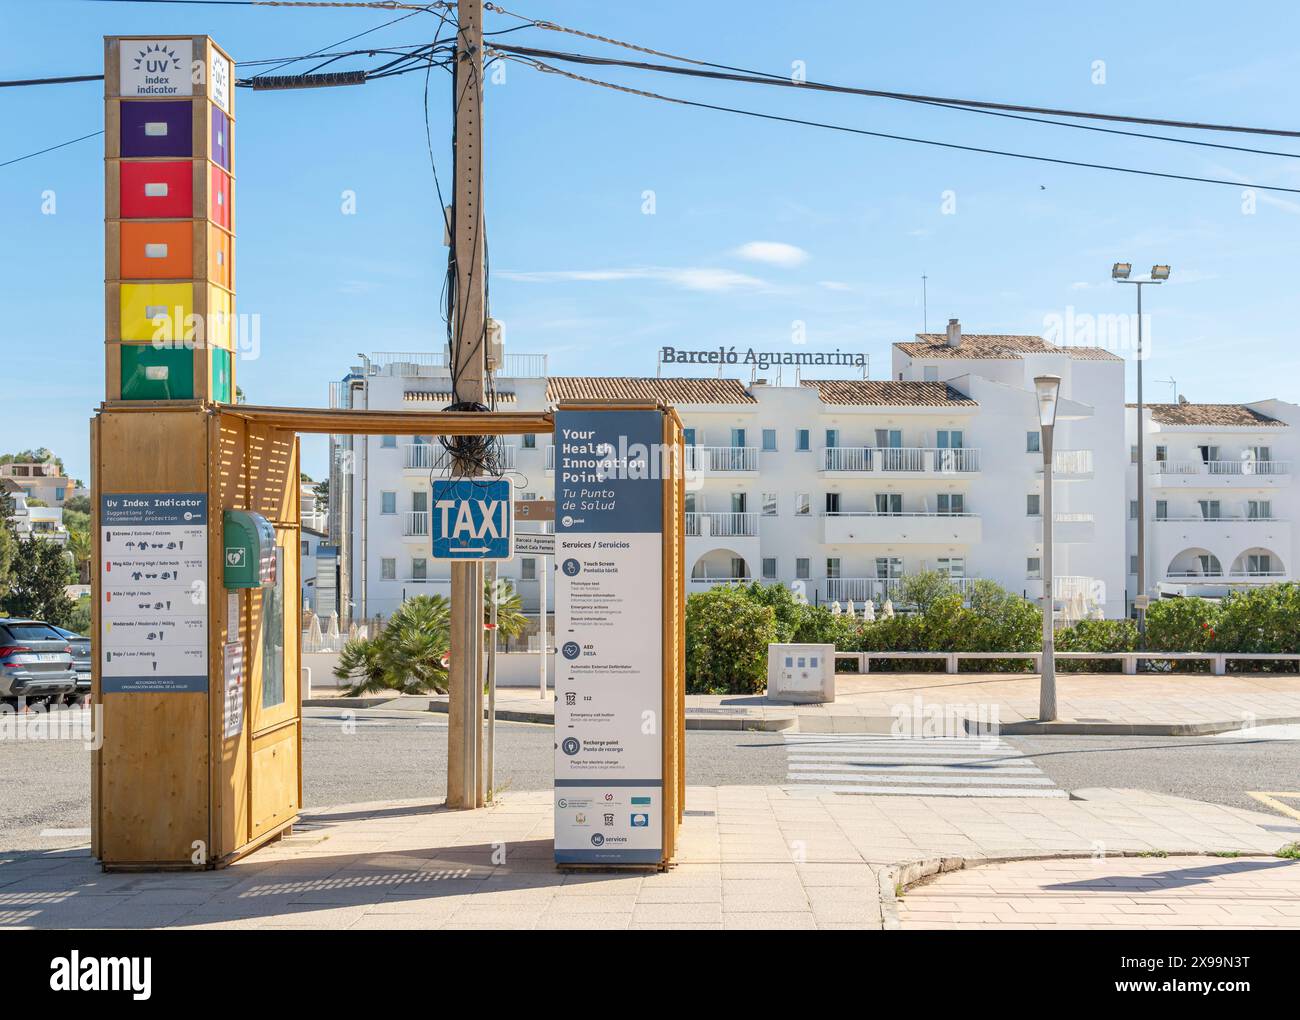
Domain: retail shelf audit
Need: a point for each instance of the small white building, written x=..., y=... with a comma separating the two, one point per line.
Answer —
x=1220, y=495
x=45, y=522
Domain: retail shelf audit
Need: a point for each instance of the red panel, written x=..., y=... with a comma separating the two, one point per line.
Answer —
x=220, y=201
x=143, y=184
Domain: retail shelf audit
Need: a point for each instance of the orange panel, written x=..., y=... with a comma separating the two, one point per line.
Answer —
x=157, y=251
x=220, y=248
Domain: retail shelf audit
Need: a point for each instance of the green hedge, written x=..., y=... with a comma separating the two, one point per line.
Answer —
x=728, y=629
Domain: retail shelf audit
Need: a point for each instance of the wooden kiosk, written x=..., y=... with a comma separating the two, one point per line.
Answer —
x=196, y=628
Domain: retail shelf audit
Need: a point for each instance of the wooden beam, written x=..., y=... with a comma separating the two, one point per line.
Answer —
x=349, y=422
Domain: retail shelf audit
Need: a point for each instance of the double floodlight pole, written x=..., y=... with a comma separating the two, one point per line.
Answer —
x=1120, y=273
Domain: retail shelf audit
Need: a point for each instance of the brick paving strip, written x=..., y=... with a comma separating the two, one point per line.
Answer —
x=751, y=857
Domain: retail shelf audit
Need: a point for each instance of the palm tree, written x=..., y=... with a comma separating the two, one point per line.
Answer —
x=406, y=656
x=511, y=621
x=79, y=548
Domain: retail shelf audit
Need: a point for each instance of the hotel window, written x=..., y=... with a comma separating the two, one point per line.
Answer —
x=738, y=569
x=388, y=442
x=769, y=568
x=1132, y=509
x=950, y=439
x=802, y=440
x=420, y=501
x=832, y=568
x=832, y=502
x=388, y=569
x=832, y=438
x=306, y=548
x=1133, y=454
x=528, y=569
x=802, y=504
x=889, y=567
x=769, y=440
x=1259, y=510
x=1210, y=509
x=1162, y=509
x=952, y=567
x=527, y=497
x=419, y=568
x=1033, y=442
x=688, y=436
x=737, y=438
x=769, y=504
x=1162, y=454
x=1133, y=565
x=1033, y=568
x=1259, y=564
x=889, y=503
x=530, y=441
x=1032, y=505
x=801, y=569
x=1261, y=454
x=388, y=502
x=952, y=503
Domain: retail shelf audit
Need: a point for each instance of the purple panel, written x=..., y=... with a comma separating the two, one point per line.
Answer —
x=152, y=128
x=220, y=138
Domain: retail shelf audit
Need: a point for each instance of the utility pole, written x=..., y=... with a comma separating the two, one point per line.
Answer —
x=469, y=368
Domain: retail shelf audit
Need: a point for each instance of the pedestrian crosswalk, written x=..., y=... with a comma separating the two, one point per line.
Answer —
x=879, y=764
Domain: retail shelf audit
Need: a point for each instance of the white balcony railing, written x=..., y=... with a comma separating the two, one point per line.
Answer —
x=435, y=457
x=708, y=580
x=872, y=459
x=415, y=523
x=1230, y=518
x=1247, y=466
x=877, y=589
x=1071, y=464
x=721, y=525
x=721, y=458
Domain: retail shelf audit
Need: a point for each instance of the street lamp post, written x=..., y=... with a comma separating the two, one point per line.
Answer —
x=1048, y=388
x=1119, y=272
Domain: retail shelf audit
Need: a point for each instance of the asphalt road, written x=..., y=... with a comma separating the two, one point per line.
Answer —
x=389, y=755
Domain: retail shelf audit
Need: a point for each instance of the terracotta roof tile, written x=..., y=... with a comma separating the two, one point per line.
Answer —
x=668, y=391
x=1005, y=346
x=888, y=393
x=1212, y=415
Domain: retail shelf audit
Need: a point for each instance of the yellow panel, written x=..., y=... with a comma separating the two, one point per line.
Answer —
x=143, y=302
x=219, y=324
x=275, y=779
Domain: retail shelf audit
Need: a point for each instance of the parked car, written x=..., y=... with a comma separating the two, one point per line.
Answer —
x=35, y=661
x=80, y=645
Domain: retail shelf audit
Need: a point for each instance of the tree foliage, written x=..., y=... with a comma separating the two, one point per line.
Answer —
x=39, y=574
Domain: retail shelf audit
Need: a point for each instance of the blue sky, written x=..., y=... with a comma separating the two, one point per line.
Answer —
x=756, y=225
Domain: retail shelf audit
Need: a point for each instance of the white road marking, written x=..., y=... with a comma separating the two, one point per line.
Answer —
x=913, y=766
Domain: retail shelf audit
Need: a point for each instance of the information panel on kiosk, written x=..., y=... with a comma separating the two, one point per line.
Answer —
x=609, y=633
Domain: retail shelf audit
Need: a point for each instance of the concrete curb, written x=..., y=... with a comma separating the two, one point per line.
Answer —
x=837, y=724
x=899, y=878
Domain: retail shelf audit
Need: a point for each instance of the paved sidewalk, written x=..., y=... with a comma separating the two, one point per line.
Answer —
x=1126, y=892
x=751, y=857
x=1111, y=703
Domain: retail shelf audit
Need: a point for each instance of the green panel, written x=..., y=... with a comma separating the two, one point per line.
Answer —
x=220, y=375
x=157, y=373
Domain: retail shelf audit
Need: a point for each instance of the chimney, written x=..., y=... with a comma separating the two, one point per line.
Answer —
x=954, y=333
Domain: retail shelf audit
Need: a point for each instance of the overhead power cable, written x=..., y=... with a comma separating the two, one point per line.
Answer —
x=541, y=66
x=764, y=77
x=583, y=58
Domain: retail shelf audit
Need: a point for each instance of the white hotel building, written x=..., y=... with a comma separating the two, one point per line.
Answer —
x=845, y=486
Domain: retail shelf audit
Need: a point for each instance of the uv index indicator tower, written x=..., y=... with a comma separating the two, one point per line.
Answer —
x=169, y=220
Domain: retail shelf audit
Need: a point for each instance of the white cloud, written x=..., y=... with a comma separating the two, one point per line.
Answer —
x=833, y=285
x=773, y=253
x=687, y=278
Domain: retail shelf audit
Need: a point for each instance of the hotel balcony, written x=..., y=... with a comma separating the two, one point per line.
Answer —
x=721, y=525
x=730, y=460
x=877, y=589
x=918, y=462
x=873, y=528
x=1213, y=474
x=1068, y=465
x=1071, y=528
x=433, y=456
x=415, y=524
